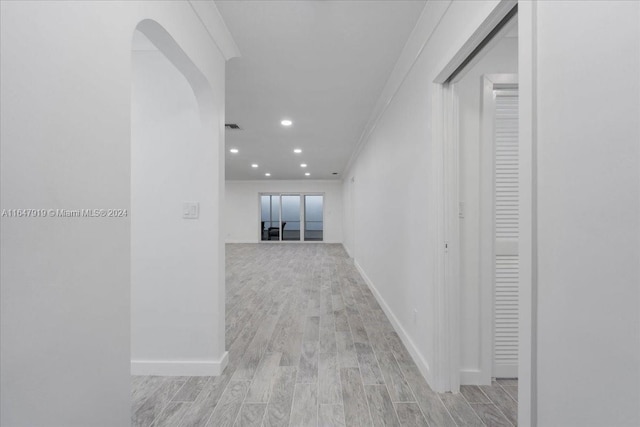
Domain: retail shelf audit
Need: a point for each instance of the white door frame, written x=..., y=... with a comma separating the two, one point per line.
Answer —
x=445, y=165
x=446, y=272
x=528, y=245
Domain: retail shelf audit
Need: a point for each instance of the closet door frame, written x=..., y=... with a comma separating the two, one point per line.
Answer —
x=491, y=83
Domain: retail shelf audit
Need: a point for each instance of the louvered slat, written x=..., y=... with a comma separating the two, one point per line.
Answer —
x=505, y=354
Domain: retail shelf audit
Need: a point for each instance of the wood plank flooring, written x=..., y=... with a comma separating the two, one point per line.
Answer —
x=310, y=346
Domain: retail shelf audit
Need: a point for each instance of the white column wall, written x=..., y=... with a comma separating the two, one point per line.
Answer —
x=174, y=317
x=65, y=142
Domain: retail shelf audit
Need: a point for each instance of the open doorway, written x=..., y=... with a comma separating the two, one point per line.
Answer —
x=487, y=95
x=481, y=212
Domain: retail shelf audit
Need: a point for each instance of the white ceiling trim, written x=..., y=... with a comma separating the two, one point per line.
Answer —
x=212, y=21
x=425, y=27
x=429, y=20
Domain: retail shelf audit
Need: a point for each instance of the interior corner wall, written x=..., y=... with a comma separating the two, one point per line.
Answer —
x=588, y=213
x=393, y=198
x=242, y=211
x=65, y=129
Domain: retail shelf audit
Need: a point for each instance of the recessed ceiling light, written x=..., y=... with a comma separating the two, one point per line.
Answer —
x=303, y=165
x=267, y=174
x=297, y=151
x=286, y=122
x=234, y=151
x=307, y=174
x=255, y=165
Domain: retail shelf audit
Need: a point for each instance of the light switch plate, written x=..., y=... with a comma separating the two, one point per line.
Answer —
x=190, y=210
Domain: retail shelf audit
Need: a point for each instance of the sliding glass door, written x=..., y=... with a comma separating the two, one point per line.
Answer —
x=270, y=217
x=291, y=217
x=313, y=218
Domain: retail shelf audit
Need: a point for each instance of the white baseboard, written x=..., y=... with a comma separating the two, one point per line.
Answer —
x=472, y=377
x=420, y=362
x=346, y=248
x=180, y=368
x=506, y=371
x=241, y=241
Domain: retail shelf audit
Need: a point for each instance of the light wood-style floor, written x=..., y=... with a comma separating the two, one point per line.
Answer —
x=310, y=346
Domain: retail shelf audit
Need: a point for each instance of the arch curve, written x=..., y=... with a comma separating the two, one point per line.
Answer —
x=166, y=44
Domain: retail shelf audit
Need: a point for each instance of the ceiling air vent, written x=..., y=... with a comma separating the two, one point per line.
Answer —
x=231, y=126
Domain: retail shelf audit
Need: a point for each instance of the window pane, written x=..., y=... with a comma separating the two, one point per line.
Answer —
x=275, y=211
x=270, y=217
x=290, y=217
x=265, y=206
x=313, y=220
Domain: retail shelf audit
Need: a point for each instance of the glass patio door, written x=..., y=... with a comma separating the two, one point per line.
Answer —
x=270, y=217
x=291, y=217
x=313, y=218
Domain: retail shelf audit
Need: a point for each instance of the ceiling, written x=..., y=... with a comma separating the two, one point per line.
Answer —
x=321, y=64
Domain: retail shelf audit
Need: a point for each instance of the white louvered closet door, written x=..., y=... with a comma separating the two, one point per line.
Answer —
x=505, y=346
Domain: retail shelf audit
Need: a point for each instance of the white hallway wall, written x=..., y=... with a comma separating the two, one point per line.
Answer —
x=242, y=212
x=65, y=141
x=391, y=205
x=588, y=157
x=588, y=189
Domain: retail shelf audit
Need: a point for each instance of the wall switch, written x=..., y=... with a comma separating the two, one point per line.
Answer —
x=190, y=210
